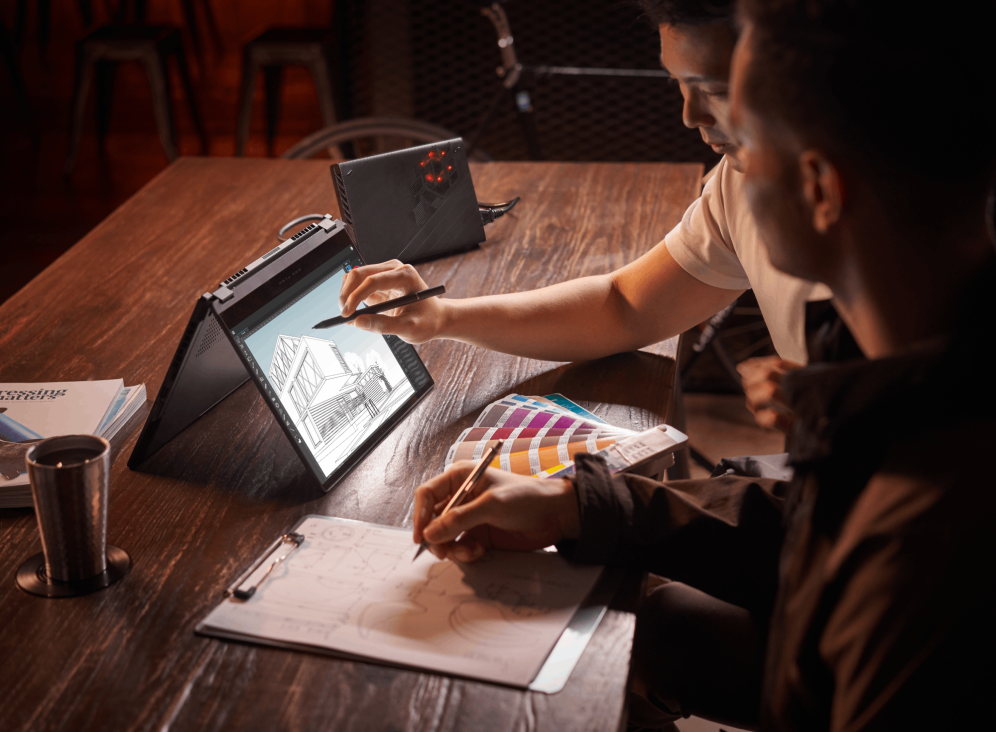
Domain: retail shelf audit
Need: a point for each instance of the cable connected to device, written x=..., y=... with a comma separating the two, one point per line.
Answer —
x=492, y=211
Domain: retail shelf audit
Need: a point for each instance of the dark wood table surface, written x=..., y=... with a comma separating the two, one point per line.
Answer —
x=116, y=304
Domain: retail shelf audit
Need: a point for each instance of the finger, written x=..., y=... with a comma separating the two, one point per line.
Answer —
x=432, y=495
x=749, y=367
x=478, y=512
x=424, y=512
x=403, y=326
x=752, y=378
x=757, y=369
x=764, y=395
x=773, y=419
x=377, y=298
x=382, y=323
x=774, y=402
x=773, y=408
x=469, y=547
x=465, y=549
x=765, y=418
x=357, y=274
x=403, y=279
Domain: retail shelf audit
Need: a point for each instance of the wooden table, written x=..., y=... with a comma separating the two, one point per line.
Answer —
x=116, y=304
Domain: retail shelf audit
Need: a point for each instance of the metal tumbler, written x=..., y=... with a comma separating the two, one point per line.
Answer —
x=69, y=481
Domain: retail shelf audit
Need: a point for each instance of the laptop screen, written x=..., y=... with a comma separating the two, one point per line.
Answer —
x=337, y=391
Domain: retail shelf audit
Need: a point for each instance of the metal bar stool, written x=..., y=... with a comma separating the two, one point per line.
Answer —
x=150, y=45
x=271, y=51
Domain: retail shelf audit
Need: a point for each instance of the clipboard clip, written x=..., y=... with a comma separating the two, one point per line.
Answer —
x=275, y=554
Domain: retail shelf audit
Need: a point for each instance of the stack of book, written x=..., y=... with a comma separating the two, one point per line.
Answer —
x=542, y=435
x=32, y=412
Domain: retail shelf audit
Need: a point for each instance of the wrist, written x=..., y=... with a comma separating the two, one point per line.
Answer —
x=569, y=513
x=449, y=315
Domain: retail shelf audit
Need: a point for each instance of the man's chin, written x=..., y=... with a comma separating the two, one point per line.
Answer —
x=732, y=159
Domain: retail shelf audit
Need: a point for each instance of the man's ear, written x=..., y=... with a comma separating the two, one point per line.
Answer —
x=823, y=189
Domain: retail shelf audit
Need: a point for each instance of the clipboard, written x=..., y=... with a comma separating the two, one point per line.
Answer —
x=259, y=606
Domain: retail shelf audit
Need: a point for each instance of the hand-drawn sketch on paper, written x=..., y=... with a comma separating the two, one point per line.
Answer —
x=353, y=588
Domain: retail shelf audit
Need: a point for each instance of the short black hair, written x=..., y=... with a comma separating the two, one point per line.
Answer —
x=903, y=92
x=688, y=12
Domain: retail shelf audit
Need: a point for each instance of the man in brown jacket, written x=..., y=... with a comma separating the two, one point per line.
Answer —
x=854, y=597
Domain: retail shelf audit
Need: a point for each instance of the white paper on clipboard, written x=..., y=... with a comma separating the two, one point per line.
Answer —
x=351, y=588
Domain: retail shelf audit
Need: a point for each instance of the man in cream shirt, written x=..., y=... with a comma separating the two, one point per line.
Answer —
x=718, y=243
x=703, y=265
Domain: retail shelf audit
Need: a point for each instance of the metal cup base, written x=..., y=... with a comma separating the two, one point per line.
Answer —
x=31, y=576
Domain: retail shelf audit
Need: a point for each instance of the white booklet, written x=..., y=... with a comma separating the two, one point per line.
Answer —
x=31, y=412
x=352, y=588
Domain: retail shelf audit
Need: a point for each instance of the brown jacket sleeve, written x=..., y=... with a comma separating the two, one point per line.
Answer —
x=721, y=535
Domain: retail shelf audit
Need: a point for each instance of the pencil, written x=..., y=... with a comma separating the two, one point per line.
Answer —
x=467, y=486
x=382, y=306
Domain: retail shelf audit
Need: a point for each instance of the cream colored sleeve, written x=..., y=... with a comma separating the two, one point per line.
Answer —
x=702, y=243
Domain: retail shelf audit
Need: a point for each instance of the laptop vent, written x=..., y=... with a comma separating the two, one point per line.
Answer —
x=296, y=236
x=212, y=334
x=234, y=277
x=340, y=189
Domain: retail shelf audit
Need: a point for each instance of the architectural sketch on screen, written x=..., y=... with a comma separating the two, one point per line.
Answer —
x=333, y=398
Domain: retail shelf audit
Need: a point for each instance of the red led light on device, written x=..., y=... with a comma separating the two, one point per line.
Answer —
x=428, y=177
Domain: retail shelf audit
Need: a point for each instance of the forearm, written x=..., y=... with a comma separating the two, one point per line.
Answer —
x=572, y=321
x=645, y=302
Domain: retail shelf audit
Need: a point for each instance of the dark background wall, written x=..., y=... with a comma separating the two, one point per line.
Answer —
x=430, y=59
x=453, y=56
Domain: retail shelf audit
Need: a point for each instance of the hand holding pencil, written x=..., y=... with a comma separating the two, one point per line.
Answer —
x=502, y=511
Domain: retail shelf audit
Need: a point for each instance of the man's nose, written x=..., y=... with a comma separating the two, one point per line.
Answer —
x=694, y=114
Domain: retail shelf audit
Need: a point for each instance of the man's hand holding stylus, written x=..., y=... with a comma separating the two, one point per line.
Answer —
x=377, y=283
x=504, y=511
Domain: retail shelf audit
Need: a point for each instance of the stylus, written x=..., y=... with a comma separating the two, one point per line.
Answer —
x=382, y=306
x=467, y=486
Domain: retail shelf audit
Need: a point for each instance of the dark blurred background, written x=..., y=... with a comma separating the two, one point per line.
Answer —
x=430, y=60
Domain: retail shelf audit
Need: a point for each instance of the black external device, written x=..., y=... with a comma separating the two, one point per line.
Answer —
x=413, y=204
x=336, y=393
